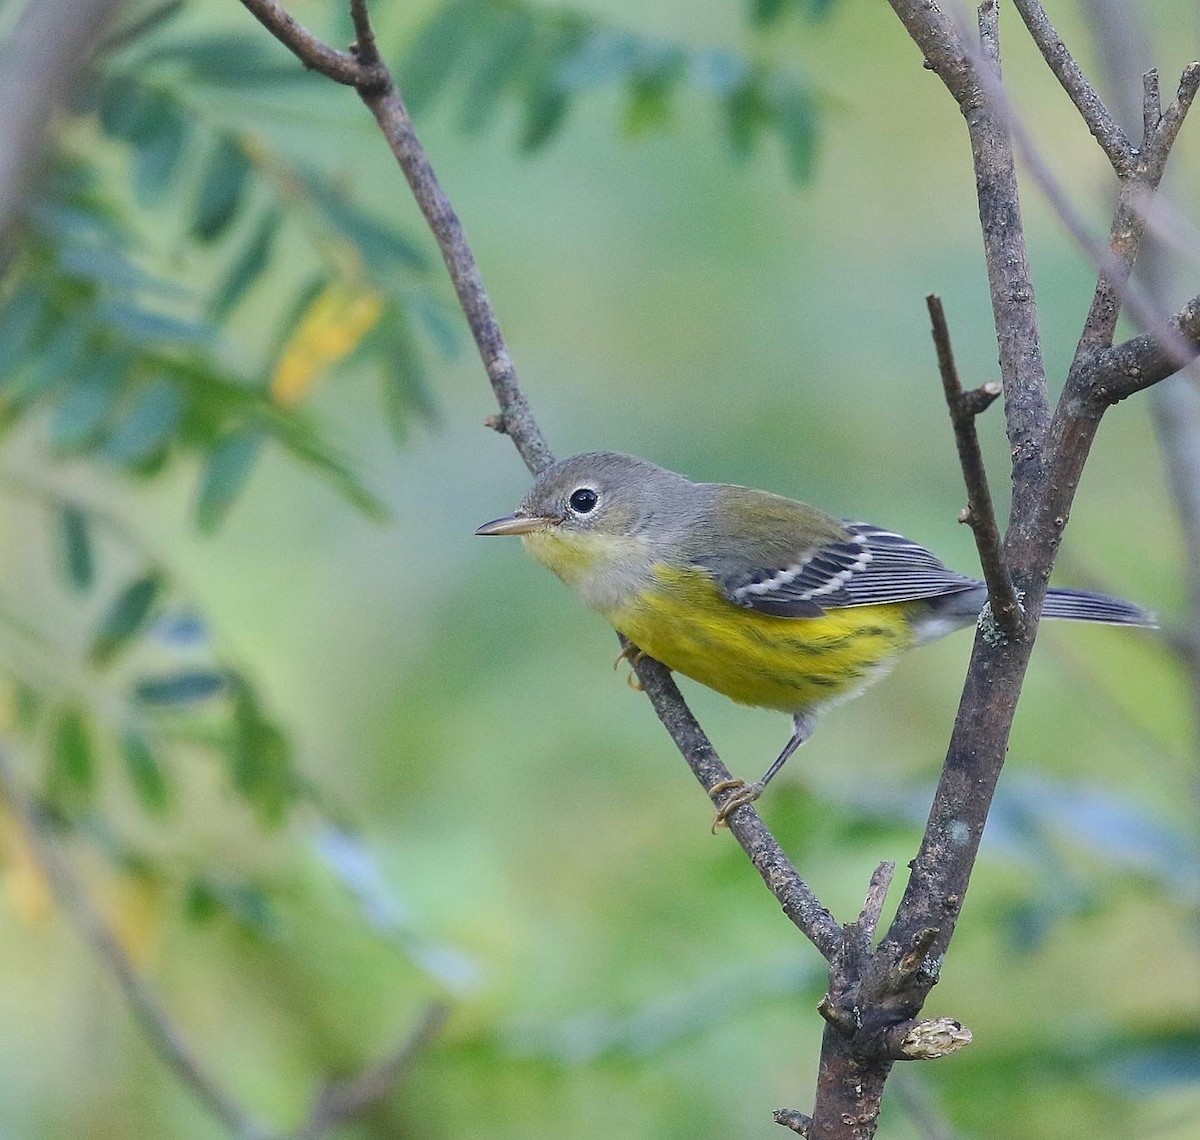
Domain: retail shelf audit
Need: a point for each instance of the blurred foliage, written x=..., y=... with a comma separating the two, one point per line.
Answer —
x=313, y=774
x=543, y=58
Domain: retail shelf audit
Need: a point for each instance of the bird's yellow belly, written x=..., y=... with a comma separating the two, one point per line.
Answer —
x=790, y=664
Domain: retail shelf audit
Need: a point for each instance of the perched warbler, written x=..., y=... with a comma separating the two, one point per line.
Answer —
x=767, y=600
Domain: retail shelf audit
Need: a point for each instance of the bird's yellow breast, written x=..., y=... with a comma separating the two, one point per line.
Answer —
x=789, y=664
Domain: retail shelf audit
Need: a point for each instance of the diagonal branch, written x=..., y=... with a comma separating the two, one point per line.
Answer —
x=782, y=879
x=1137, y=364
x=148, y=1012
x=362, y=69
x=337, y=1103
x=340, y=66
x=1106, y=130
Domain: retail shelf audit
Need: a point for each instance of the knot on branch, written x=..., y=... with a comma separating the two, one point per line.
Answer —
x=925, y=1040
x=793, y=1119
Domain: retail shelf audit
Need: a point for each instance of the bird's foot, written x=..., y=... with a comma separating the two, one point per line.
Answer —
x=743, y=794
x=633, y=655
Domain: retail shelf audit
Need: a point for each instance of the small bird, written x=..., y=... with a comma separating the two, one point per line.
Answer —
x=767, y=600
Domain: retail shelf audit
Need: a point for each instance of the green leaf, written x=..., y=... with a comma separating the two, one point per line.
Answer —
x=22, y=320
x=72, y=772
x=145, y=773
x=436, y=51
x=248, y=905
x=78, y=559
x=29, y=703
x=159, y=148
x=649, y=105
x=260, y=760
x=746, y=110
x=124, y=108
x=225, y=474
x=796, y=124
x=545, y=112
x=58, y=362
x=86, y=407
x=441, y=324
x=247, y=266
x=767, y=11
x=405, y=379
x=125, y=619
x=226, y=60
x=506, y=54
x=189, y=686
x=222, y=189
x=379, y=243
x=146, y=428
x=154, y=328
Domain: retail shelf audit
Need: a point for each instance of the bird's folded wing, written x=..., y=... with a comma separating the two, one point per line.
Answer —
x=870, y=566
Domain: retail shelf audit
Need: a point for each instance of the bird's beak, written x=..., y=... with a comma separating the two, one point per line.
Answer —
x=516, y=524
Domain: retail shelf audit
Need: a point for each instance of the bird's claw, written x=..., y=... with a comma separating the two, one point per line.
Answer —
x=633, y=655
x=743, y=794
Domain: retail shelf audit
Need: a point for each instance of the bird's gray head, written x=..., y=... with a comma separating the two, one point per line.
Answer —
x=600, y=492
x=599, y=521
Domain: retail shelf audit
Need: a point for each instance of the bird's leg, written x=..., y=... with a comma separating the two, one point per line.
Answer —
x=803, y=725
x=633, y=655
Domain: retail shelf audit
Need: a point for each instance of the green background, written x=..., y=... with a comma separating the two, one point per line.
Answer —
x=615, y=970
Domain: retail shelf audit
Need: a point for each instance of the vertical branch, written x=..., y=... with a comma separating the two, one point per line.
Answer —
x=1014, y=302
x=980, y=515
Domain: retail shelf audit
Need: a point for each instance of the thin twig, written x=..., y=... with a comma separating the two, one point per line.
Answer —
x=980, y=514
x=872, y=909
x=1106, y=130
x=795, y=896
x=152, y=1018
x=1139, y=181
x=340, y=66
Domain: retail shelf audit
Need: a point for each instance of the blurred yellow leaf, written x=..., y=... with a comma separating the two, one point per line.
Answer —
x=331, y=328
x=25, y=885
x=133, y=905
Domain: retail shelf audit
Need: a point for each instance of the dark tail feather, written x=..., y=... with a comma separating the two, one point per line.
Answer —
x=1083, y=605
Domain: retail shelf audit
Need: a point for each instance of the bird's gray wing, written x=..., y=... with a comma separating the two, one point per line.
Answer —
x=868, y=566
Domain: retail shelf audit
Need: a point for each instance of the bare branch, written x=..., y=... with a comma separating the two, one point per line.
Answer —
x=1138, y=185
x=781, y=877
x=881, y=881
x=980, y=515
x=1138, y=363
x=519, y=423
x=151, y=1017
x=366, y=51
x=340, y=66
x=1167, y=129
x=1105, y=129
x=960, y=66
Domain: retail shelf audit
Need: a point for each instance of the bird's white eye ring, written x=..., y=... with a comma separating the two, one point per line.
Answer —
x=583, y=500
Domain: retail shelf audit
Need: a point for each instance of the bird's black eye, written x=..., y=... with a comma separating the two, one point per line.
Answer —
x=583, y=501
